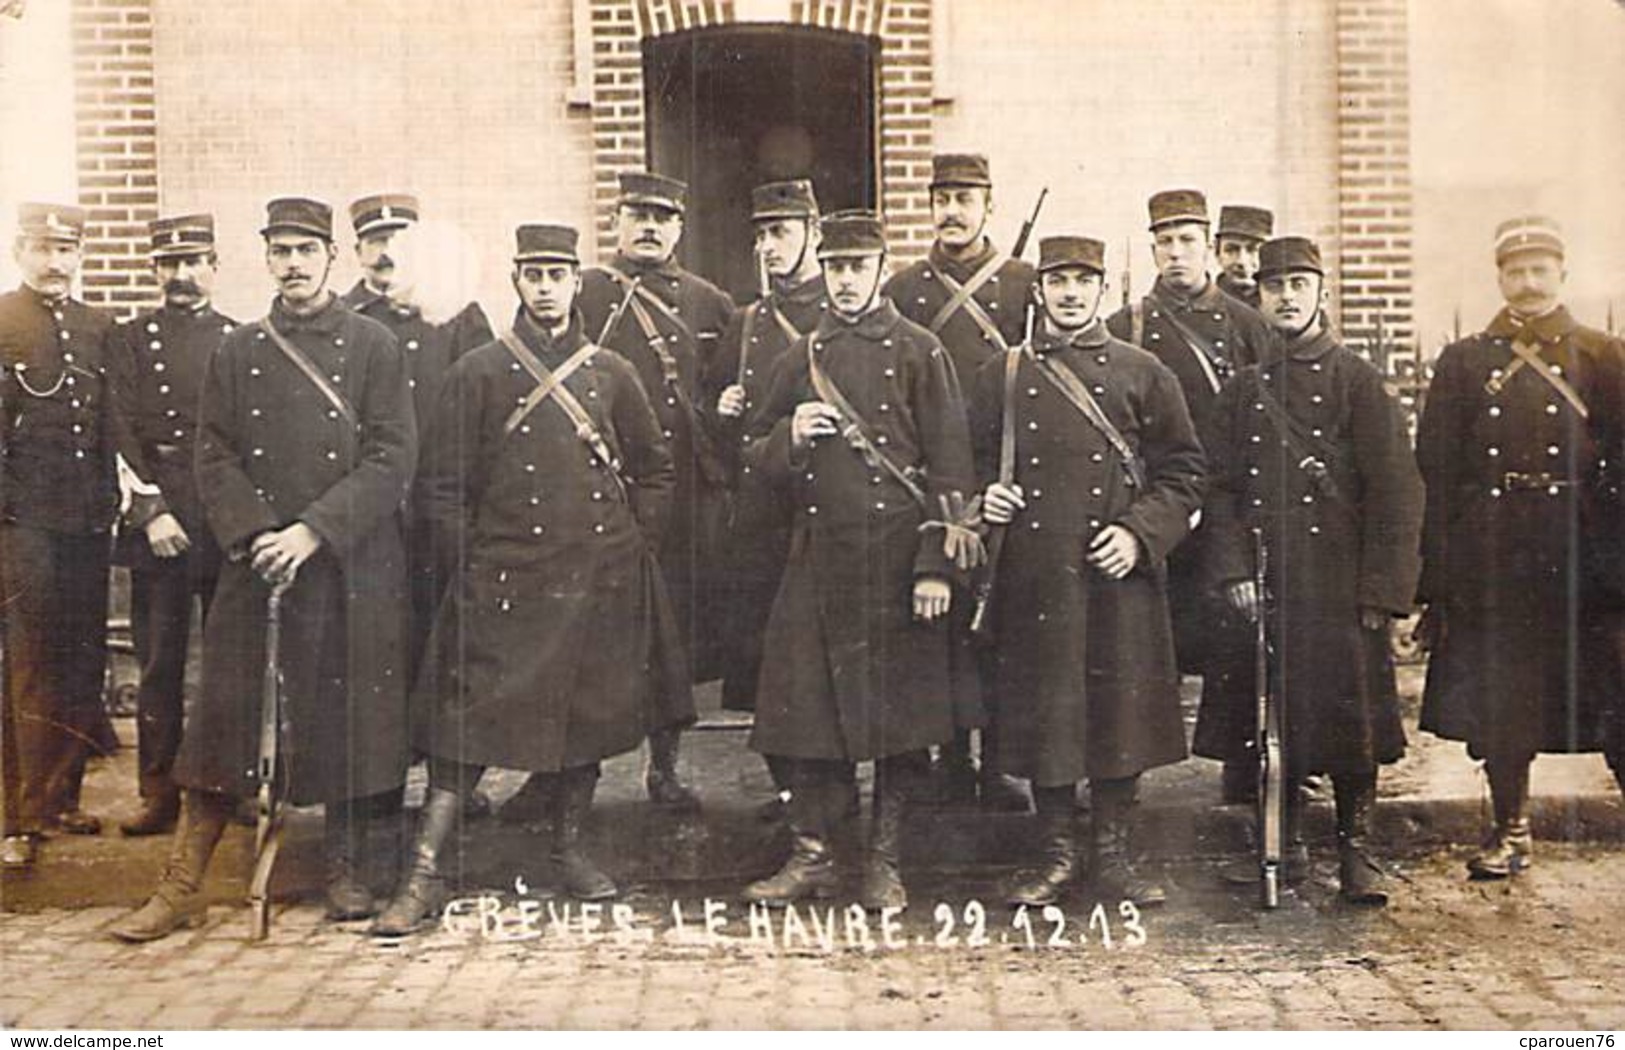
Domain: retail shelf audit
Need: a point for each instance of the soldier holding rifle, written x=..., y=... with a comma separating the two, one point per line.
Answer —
x=1092, y=470
x=1310, y=449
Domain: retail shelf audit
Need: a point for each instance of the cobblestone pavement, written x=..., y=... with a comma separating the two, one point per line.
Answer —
x=1541, y=952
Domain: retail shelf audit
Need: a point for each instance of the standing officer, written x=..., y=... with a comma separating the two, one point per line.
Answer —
x=306, y=445
x=1520, y=567
x=547, y=486
x=1093, y=469
x=173, y=558
x=1311, y=448
x=751, y=561
x=58, y=498
x=1203, y=335
x=974, y=298
x=1242, y=228
x=667, y=322
x=384, y=225
x=863, y=430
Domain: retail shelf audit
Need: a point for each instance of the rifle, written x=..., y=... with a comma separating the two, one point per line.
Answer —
x=614, y=317
x=764, y=284
x=268, y=825
x=1271, y=730
x=1027, y=227
x=1128, y=270
x=980, y=630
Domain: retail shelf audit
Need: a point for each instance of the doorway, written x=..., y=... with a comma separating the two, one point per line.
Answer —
x=732, y=107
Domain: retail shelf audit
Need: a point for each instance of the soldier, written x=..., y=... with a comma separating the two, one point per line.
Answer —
x=1520, y=562
x=1092, y=468
x=1311, y=448
x=555, y=648
x=306, y=445
x=58, y=498
x=384, y=225
x=1203, y=335
x=975, y=299
x=785, y=217
x=172, y=556
x=667, y=322
x=863, y=430
x=1242, y=228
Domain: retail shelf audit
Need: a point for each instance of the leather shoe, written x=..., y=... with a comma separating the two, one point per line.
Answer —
x=77, y=822
x=157, y=817
x=19, y=851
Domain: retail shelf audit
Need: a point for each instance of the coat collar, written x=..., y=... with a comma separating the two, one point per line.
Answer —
x=362, y=298
x=543, y=344
x=1549, y=327
x=961, y=269
x=807, y=292
x=326, y=320
x=876, y=324
x=1092, y=336
x=1313, y=348
x=1211, y=297
x=630, y=267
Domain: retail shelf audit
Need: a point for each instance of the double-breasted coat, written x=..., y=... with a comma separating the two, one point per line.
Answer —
x=756, y=540
x=1520, y=538
x=847, y=673
x=1334, y=546
x=555, y=646
x=690, y=327
x=1083, y=680
x=272, y=450
x=59, y=430
x=920, y=292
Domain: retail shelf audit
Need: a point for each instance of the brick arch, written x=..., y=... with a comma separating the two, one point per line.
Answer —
x=615, y=32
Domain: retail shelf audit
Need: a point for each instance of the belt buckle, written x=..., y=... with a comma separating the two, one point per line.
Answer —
x=1513, y=480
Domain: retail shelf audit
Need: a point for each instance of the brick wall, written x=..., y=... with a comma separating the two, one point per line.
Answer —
x=117, y=140
x=1374, y=173
x=618, y=28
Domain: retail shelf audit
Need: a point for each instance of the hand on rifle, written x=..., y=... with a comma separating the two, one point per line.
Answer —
x=731, y=405
x=1243, y=597
x=1001, y=502
x=1115, y=551
x=1430, y=628
x=166, y=537
x=931, y=598
x=278, y=553
x=1373, y=618
x=813, y=419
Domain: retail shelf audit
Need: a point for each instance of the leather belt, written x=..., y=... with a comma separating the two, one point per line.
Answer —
x=1516, y=481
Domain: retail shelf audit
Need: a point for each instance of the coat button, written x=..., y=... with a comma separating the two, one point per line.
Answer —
x=1495, y=410
x=1316, y=432
x=884, y=407
x=1493, y=451
x=172, y=413
x=530, y=468
x=1156, y=336
x=332, y=454
x=1098, y=390
x=1252, y=472
x=1314, y=530
x=411, y=344
x=537, y=530
x=180, y=433
x=880, y=505
x=152, y=326
x=1495, y=493
x=535, y=501
x=157, y=366
x=156, y=345
x=1033, y=462
x=1095, y=492
x=1038, y=493
x=1551, y=410
x=1308, y=498
x=332, y=413
x=338, y=340
x=1032, y=424
x=598, y=528
x=259, y=452
x=1316, y=367
x=338, y=378
x=253, y=371
x=1553, y=450
x=1097, y=457
x=890, y=373
x=1033, y=526
x=1255, y=439
x=666, y=434
x=597, y=495
x=1315, y=399
x=812, y=509
x=1100, y=359
x=1552, y=491
x=256, y=413
x=874, y=479
x=77, y=429
x=882, y=440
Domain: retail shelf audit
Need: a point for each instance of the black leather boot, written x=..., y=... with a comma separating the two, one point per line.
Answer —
x=345, y=836
x=421, y=893
x=1360, y=879
x=665, y=787
x=882, y=872
x=1114, y=873
x=810, y=872
x=1057, y=828
x=1510, y=847
x=178, y=901
x=581, y=878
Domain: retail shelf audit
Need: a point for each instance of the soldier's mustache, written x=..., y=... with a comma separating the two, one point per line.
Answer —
x=181, y=285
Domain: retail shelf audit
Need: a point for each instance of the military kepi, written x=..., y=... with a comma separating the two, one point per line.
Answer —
x=57, y=222
x=1171, y=206
x=783, y=200
x=383, y=211
x=542, y=242
x=298, y=215
x=181, y=235
x=1246, y=221
x=1059, y=253
x=1289, y=255
x=960, y=169
x=1528, y=233
x=849, y=233
x=658, y=191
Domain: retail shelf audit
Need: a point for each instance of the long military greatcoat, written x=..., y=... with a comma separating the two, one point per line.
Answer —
x=847, y=673
x=702, y=312
x=921, y=292
x=1520, y=542
x=165, y=358
x=1084, y=682
x=272, y=451
x=556, y=646
x=1333, y=546
x=757, y=540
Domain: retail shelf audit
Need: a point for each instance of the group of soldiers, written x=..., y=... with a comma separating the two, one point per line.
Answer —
x=956, y=499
